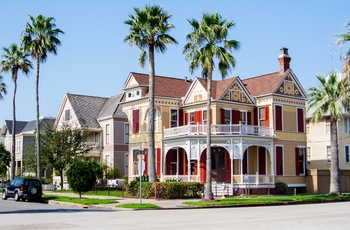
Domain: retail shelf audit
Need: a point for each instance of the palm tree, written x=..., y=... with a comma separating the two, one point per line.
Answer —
x=14, y=59
x=208, y=41
x=331, y=98
x=40, y=38
x=149, y=28
x=343, y=38
x=2, y=88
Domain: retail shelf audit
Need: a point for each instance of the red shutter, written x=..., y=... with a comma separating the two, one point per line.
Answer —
x=186, y=118
x=202, y=167
x=146, y=163
x=262, y=161
x=198, y=117
x=227, y=167
x=236, y=116
x=168, y=162
x=300, y=120
x=256, y=116
x=297, y=166
x=267, y=121
x=279, y=160
x=181, y=117
x=158, y=160
x=136, y=121
x=211, y=116
x=278, y=117
x=222, y=116
x=249, y=118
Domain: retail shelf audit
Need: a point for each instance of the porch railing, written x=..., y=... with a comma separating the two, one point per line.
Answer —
x=227, y=129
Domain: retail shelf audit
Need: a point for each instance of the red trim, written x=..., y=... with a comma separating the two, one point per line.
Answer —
x=203, y=175
x=279, y=160
x=255, y=116
x=186, y=118
x=249, y=118
x=136, y=121
x=222, y=116
x=236, y=116
x=262, y=161
x=158, y=160
x=245, y=162
x=267, y=118
x=300, y=120
x=278, y=117
x=181, y=117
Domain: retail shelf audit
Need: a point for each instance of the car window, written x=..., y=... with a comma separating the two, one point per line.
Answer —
x=28, y=182
x=13, y=182
x=18, y=182
x=36, y=183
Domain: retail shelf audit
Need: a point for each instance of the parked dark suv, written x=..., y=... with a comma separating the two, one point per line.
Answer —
x=23, y=188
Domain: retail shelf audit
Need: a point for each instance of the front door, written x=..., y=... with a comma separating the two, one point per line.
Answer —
x=218, y=164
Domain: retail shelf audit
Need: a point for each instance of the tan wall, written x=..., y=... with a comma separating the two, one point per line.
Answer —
x=289, y=155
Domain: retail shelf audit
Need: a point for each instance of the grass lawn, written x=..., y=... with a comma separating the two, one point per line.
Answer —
x=114, y=193
x=137, y=206
x=267, y=199
x=76, y=200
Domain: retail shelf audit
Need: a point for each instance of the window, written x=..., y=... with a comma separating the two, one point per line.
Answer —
x=346, y=124
x=327, y=125
x=126, y=133
x=135, y=170
x=129, y=95
x=205, y=117
x=328, y=156
x=279, y=160
x=107, y=134
x=174, y=118
x=18, y=146
x=300, y=161
x=243, y=117
x=67, y=115
x=227, y=116
x=347, y=153
x=278, y=118
x=136, y=121
x=262, y=116
x=191, y=118
x=137, y=93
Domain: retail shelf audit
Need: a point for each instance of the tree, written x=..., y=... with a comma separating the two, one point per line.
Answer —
x=5, y=159
x=113, y=173
x=331, y=98
x=343, y=38
x=2, y=88
x=206, y=42
x=100, y=169
x=149, y=28
x=40, y=37
x=61, y=147
x=81, y=177
x=14, y=59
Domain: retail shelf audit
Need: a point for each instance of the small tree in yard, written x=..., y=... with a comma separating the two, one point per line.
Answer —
x=81, y=177
x=5, y=159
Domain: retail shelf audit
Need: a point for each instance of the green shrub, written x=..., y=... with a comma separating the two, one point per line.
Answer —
x=281, y=188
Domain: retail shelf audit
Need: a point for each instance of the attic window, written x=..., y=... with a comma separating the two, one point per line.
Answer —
x=67, y=115
x=137, y=92
x=129, y=95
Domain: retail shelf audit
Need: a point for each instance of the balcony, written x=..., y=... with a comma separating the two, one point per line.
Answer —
x=227, y=129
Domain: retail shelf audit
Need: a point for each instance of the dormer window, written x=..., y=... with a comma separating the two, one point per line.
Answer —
x=138, y=93
x=129, y=95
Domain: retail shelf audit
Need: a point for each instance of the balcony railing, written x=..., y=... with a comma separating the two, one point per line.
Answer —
x=227, y=129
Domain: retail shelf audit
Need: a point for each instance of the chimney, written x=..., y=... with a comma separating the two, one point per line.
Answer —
x=284, y=60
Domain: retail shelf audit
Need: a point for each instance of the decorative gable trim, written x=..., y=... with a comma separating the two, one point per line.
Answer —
x=237, y=92
x=291, y=86
x=196, y=93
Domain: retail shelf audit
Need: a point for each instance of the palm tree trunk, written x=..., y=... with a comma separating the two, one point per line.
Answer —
x=208, y=190
x=151, y=142
x=334, y=180
x=13, y=155
x=38, y=171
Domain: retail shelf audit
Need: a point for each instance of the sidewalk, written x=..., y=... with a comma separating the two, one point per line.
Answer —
x=164, y=204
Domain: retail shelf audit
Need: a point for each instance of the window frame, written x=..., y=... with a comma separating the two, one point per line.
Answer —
x=174, y=122
x=126, y=133
x=347, y=154
x=328, y=154
x=108, y=134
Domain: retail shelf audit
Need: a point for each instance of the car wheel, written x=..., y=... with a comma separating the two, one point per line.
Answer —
x=4, y=197
x=17, y=197
x=33, y=190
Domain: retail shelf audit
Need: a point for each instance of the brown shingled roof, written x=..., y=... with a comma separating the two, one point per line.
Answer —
x=164, y=86
x=218, y=87
x=264, y=84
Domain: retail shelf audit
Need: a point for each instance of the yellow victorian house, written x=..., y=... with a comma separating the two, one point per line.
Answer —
x=258, y=129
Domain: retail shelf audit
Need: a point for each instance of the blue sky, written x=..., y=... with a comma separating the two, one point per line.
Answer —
x=94, y=60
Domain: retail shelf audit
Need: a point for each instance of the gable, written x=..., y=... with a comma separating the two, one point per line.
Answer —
x=290, y=86
x=236, y=92
x=196, y=93
x=66, y=114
